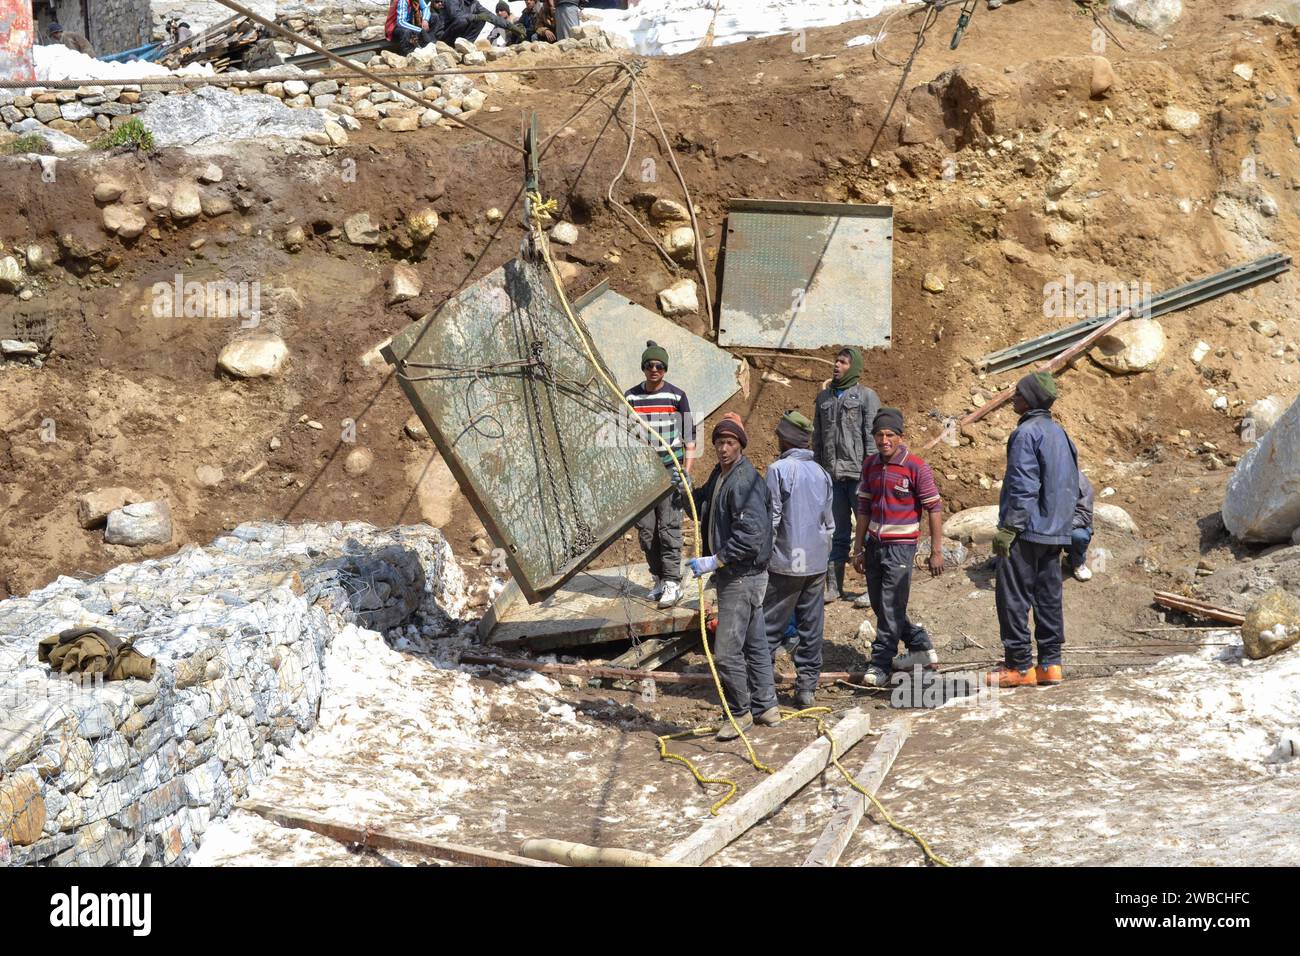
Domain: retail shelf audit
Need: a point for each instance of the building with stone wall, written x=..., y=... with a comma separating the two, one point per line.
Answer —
x=201, y=14
x=111, y=26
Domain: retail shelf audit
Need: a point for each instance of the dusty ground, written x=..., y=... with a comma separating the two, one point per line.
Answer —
x=965, y=164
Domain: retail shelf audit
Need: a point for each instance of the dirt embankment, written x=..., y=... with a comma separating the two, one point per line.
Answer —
x=971, y=160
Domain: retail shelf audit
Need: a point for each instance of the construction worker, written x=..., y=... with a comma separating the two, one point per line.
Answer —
x=1039, y=493
x=538, y=21
x=841, y=443
x=409, y=25
x=736, y=529
x=668, y=411
x=896, y=488
x=464, y=19
x=1076, y=556
x=802, y=524
x=71, y=39
x=500, y=36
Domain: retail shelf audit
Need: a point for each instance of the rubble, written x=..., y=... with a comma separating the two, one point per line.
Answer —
x=149, y=522
x=254, y=356
x=1262, y=501
x=1272, y=625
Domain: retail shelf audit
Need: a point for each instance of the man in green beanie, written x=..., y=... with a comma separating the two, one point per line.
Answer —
x=1035, y=515
x=668, y=412
x=841, y=442
x=802, y=524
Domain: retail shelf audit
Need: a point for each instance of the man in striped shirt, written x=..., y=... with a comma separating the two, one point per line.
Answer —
x=668, y=411
x=896, y=488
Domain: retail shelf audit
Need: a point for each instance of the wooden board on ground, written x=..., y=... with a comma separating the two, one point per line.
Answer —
x=593, y=607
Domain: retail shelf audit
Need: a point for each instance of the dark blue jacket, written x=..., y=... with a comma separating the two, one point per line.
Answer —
x=1041, y=486
x=739, y=532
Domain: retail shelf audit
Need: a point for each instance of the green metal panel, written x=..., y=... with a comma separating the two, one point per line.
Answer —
x=531, y=433
x=620, y=328
x=805, y=275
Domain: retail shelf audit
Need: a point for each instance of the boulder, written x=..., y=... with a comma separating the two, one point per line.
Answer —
x=185, y=203
x=360, y=231
x=1262, y=501
x=415, y=429
x=404, y=283
x=126, y=221
x=358, y=462
x=1103, y=78
x=404, y=123
x=254, y=356
x=422, y=224
x=1263, y=415
x=977, y=525
x=38, y=260
x=209, y=476
x=11, y=274
x=1114, y=518
x=474, y=99
x=564, y=233
x=210, y=115
x=19, y=348
x=1157, y=16
x=1272, y=624
x=1180, y=120
x=680, y=298
x=680, y=243
x=56, y=142
x=1133, y=346
x=22, y=809
x=667, y=210
x=108, y=190
x=932, y=283
x=149, y=522
x=94, y=507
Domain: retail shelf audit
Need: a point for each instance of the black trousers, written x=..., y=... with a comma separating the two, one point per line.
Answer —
x=407, y=40
x=889, y=586
x=1030, y=577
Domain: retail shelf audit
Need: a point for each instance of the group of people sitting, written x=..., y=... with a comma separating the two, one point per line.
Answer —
x=413, y=24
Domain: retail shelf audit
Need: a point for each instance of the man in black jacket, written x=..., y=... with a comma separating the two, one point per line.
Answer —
x=464, y=19
x=734, y=508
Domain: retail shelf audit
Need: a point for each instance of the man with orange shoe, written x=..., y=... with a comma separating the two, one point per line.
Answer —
x=1035, y=517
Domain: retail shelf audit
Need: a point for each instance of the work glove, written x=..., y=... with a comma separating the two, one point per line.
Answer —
x=518, y=30
x=1003, y=540
x=702, y=566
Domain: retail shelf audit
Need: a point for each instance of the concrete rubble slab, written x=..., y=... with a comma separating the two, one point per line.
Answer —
x=532, y=435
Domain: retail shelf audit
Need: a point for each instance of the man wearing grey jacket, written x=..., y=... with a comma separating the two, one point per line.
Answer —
x=842, y=441
x=802, y=524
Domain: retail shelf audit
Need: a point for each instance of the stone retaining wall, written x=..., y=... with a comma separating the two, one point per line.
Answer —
x=129, y=772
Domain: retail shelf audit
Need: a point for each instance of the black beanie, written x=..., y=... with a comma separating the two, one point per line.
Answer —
x=887, y=417
x=1038, y=389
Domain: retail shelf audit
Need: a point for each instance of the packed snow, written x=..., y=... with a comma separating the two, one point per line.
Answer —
x=58, y=62
x=659, y=27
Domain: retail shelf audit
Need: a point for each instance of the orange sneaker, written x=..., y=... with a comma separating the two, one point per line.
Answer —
x=1048, y=676
x=1010, y=677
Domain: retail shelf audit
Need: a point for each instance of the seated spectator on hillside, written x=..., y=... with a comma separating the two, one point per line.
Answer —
x=464, y=19
x=500, y=36
x=71, y=39
x=409, y=25
x=538, y=21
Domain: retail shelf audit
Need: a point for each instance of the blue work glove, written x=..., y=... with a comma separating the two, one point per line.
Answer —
x=702, y=566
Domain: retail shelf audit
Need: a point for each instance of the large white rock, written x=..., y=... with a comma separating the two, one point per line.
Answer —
x=564, y=233
x=974, y=524
x=1262, y=500
x=680, y=243
x=149, y=522
x=1263, y=415
x=254, y=356
x=1180, y=120
x=210, y=115
x=1114, y=518
x=11, y=274
x=1133, y=346
x=680, y=298
x=404, y=283
x=1154, y=15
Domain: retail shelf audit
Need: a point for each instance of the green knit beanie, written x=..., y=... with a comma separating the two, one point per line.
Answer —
x=654, y=353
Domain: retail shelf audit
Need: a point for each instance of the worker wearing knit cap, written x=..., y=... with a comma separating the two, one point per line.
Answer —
x=803, y=521
x=1040, y=491
x=897, y=492
x=667, y=411
x=736, y=531
x=842, y=421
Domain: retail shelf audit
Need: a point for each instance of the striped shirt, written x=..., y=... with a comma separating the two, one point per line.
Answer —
x=669, y=413
x=892, y=494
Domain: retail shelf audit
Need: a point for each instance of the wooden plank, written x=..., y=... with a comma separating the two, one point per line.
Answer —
x=1052, y=365
x=655, y=653
x=382, y=839
x=579, y=854
x=835, y=838
x=623, y=673
x=1196, y=608
x=595, y=607
x=739, y=816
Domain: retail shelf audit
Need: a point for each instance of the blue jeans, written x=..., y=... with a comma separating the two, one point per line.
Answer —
x=740, y=646
x=1077, y=553
x=844, y=501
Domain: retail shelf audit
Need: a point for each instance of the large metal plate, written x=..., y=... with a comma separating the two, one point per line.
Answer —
x=525, y=425
x=620, y=328
x=805, y=275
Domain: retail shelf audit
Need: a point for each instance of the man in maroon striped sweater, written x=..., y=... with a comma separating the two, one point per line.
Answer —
x=896, y=488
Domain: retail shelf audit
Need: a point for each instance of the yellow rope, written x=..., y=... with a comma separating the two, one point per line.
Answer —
x=542, y=210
